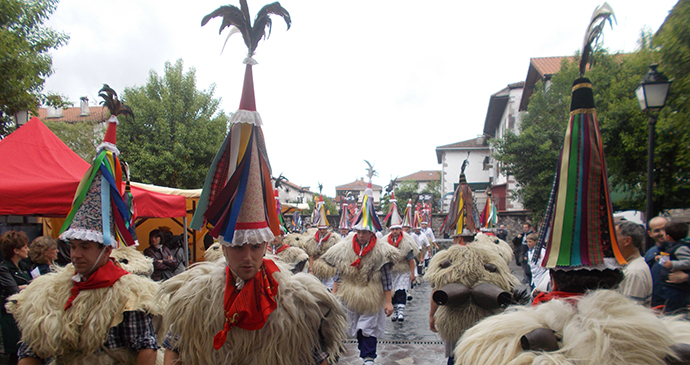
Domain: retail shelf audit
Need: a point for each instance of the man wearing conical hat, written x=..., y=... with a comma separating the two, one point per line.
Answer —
x=247, y=309
x=403, y=270
x=580, y=321
x=363, y=279
x=318, y=244
x=92, y=311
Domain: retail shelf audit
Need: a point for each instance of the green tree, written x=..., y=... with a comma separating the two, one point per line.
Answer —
x=25, y=60
x=82, y=137
x=176, y=132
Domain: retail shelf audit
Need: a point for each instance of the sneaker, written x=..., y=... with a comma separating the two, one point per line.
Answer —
x=369, y=362
x=401, y=317
x=394, y=317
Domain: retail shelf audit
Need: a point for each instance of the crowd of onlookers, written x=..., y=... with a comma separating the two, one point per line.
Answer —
x=657, y=279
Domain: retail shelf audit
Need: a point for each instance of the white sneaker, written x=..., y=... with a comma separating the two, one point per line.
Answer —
x=394, y=316
x=369, y=362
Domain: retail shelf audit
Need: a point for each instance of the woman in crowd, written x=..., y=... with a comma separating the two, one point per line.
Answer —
x=163, y=261
x=14, y=276
x=43, y=252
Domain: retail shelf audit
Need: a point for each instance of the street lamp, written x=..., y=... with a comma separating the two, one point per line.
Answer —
x=652, y=93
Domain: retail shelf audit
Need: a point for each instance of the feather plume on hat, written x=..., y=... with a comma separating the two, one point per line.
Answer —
x=237, y=197
x=101, y=210
x=579, y=232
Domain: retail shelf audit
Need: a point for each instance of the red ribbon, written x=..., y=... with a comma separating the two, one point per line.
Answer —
x=104, y=277
x=545, y=297
x=363, y=251
x=280, y=249
x=249, y=308
x=395, y=243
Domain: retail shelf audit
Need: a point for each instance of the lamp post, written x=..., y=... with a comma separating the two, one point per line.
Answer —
x=651, y=93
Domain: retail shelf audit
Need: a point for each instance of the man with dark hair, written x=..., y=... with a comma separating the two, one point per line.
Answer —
x=678, y=248
x=526, y=231
x=637, y=284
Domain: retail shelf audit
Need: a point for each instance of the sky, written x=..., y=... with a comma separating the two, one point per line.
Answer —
x=378, y=80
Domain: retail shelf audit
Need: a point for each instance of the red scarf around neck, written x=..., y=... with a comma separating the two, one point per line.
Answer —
x=279, y=249
x=104, y=277
x=545, y=297
x=362, y=251
x=320, y=239
x=395, y=243
x=249, y=308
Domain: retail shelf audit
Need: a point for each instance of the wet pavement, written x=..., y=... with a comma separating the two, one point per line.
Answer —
x=410, y=342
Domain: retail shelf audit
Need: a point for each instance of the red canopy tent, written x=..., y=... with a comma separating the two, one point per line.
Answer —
x=40, y=175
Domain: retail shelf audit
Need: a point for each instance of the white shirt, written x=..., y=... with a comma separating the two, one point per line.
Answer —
x=429, y=234
x=421, y=240
x=538, y=271
x=637, y=283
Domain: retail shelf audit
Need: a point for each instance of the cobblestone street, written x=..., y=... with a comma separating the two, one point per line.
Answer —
x=410, y=342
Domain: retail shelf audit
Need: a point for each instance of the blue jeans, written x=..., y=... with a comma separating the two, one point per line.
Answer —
x=676, y=300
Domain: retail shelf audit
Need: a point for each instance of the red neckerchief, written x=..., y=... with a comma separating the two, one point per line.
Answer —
x=319, y=239
x=249, y=308
x=363, y=251
x=280, y=249
x=545, y=297
x=104, y=277
x=395, y=243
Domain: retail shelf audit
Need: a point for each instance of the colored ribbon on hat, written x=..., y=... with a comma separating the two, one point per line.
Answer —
x=249, y=308
x=363, y=251
x=104, y=277
x=395, y=243
x=320, y=239
x=545, y=297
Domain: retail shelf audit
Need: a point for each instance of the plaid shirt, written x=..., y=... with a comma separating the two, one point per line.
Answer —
x=134, y=332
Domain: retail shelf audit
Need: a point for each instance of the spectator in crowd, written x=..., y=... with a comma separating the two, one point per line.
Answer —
x=526, y=231
x=637, y=283
x=176, y=246
x=43, y=252
x=678, y=248
x=502, y=233
x=536, y=269
x=14, y=276
x=163, y=261
x=655, y=230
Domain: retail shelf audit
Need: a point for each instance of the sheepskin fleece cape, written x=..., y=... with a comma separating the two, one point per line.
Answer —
x=195, y=313
x=501, y=246
x=604, y=327
x=467, y=268
x=74, y=336
x=132, y=260
x=293, y=256
x=406, y=245
x=295, y=240
x=360, y=289
x=320, y=269
x=214, y=252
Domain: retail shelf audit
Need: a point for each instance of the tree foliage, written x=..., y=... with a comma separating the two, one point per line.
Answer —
x=532, y=156
x=176, y=132
x=25, y=61
x=82, y=137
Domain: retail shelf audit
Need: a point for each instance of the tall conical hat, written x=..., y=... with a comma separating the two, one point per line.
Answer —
x=345, y=217
x=101, y=210
x=393, y=219
x=460, y=216
x=489, y=216
x=417, y=221
x=367, y=220
x=237, y=197
x=579, y=232
x=322, y=221
x=407, y=215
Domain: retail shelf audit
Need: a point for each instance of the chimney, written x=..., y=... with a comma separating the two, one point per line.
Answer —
x=480, y=140
x=84, y=106
x=54, y=112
